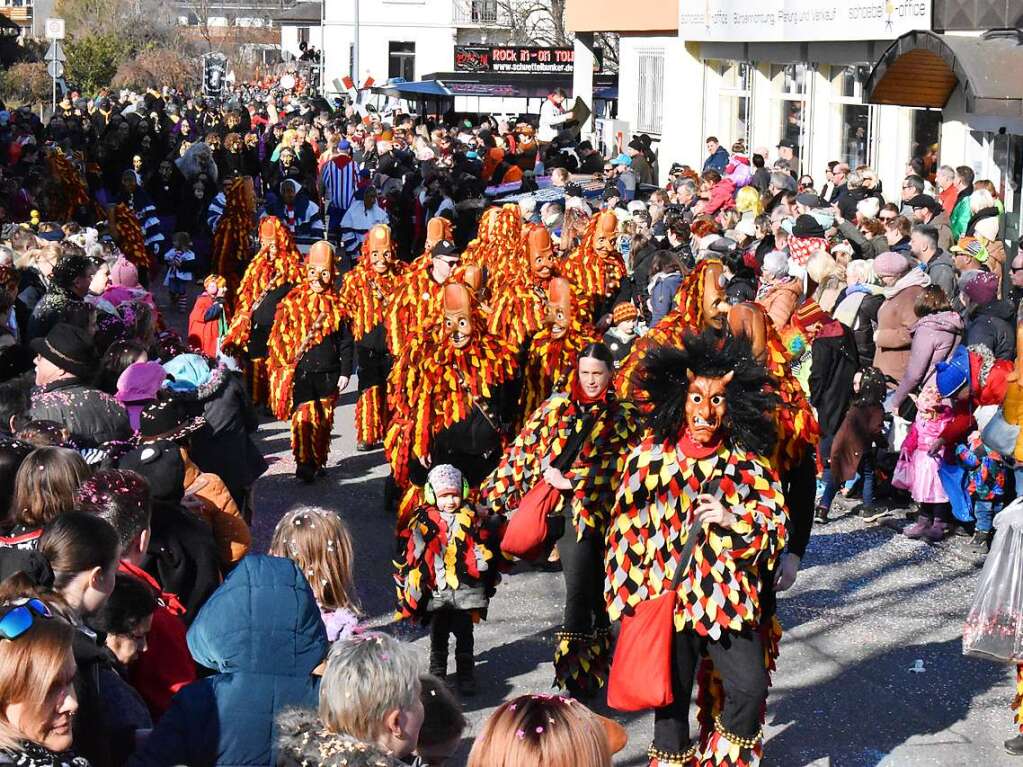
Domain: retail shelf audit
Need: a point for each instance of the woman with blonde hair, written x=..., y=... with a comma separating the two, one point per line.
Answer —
x=37, y=670
x=546, y=731
x=318, y=542
x=748, y=202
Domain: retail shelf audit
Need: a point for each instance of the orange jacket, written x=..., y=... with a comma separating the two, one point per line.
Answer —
x=216, y=506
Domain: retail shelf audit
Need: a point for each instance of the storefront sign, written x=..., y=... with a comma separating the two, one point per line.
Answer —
x=801, y=20
x=524, y=60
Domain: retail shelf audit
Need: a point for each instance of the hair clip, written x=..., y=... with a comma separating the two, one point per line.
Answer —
x=520, y=733
x=539, y=729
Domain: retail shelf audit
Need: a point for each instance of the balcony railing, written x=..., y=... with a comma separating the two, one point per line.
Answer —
x=479, y=13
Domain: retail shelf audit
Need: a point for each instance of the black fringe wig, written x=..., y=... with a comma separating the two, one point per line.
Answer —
x=664, y=385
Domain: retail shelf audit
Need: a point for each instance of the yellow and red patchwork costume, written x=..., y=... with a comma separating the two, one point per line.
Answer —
x=232, y=238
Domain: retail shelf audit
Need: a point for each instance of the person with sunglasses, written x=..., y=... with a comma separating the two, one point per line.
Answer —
x=38, y=702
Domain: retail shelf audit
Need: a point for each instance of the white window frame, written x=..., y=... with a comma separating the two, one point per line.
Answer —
x=649, y=90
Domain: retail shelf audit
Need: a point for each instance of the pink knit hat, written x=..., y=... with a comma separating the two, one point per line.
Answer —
x=140, y=381
x=124, y=274
x=445, y=477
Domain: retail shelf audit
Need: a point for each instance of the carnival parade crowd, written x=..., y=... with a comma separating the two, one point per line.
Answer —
x=657, y=390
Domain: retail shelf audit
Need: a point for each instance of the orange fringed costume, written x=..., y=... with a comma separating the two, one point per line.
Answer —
x=73, y=193
x=127, y=232
x=448, y=397
x=231, y=241
x=271, y=274
x=552, y=357
x=310, y=348
x=415, y=292
x=596, y=268
x=367, y=293
x=519, y=301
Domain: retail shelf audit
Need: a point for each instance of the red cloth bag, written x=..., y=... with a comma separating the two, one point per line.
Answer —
x=526, y=534
x=640, y=675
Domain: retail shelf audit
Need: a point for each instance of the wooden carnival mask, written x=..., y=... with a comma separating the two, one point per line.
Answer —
x=319, y=269
x=560, y=311
x=458, y=326
x=472, y=276
x=605, y=235
x=705, y=407
x=380, y=248
x=540, y=251
x=268, y=235
x=715, y=302
x=437, y=229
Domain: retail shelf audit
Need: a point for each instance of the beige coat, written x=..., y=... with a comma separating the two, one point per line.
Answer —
x=894, y=337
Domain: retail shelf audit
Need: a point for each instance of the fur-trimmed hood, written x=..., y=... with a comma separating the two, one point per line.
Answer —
x=191, y=383
x=303, y=740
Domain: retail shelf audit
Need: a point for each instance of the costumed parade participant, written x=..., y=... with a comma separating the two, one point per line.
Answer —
x=550, y=364
x=273, y=272
x=232, y=232
x=701, y=470
x=450, y=397
x=309, y=361
x=207, y=322
x=444, y=571
x=596, y=268
x=575, y=444
x=367, y=292
x=419, y=287
x=127, y=234
x=519, y=300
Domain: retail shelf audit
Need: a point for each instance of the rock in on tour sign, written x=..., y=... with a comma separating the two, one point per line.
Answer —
x=801, y=20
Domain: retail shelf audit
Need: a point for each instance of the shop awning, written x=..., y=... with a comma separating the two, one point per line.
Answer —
x=922, y=69
x=407, y=89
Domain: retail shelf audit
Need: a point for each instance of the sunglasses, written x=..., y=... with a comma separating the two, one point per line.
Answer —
x=887, y=218
x=21, y=616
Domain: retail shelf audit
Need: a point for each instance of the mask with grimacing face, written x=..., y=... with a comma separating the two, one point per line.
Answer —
x=605, y=235
x=380, y=249
x=541, y=253
x=705, y=407
x=715, y=302
x=458, y=327
x=559, y=307
x=319, y=267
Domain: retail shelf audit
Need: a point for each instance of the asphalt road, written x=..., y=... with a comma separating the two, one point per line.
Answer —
x=867, y=606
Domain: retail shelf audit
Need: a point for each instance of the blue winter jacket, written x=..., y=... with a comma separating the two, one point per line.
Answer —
x=262, y=633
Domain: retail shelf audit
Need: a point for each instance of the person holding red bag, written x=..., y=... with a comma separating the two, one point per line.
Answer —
x=575, y=443
x=701, y=469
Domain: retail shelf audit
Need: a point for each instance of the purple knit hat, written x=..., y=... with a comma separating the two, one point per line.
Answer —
x=140, y=381
x=982, y=289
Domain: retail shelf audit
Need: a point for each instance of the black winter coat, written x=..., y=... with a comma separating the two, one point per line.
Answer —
x=90, y=416
x=993, y=325
x=835, y=362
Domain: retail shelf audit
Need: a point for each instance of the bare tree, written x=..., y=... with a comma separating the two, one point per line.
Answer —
x=534, y=22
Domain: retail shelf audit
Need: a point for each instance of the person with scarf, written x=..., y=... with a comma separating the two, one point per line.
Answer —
x=296, y=211
x=703, y=469
x=367, y=292
x=902, y=286
x=271, y=274
x=576, y=442
x=310, y=361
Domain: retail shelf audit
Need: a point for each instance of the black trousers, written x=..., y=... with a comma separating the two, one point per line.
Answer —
x=447, y=621
x=582, y=564
x=739, y=661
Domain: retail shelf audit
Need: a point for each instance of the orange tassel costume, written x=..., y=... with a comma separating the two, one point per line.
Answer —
x=596, y=268
x=273, y=270
x=554, y=351
x=127, y=231
x=519, y=303
x=73, y=192
x=310, y=316
x=416, y=293
x=442, y=382
x=367, y=293
x=232, y=239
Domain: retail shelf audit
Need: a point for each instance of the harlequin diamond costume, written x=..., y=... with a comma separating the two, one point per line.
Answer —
x=700, y=470
x=550, y=364
x=416, y=292
x=449, y=398
x=273, y=272
x=596, y=268
x=367, y=292
x=310, y=349
x=519, y=300
x=232, y=234
x=586, y=437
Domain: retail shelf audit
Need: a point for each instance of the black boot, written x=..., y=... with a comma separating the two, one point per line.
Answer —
x=306, y=472
x=464, y=666
x=439, y=663
x=1014, y=746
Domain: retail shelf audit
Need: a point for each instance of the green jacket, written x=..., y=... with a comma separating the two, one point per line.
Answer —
x=960, y=219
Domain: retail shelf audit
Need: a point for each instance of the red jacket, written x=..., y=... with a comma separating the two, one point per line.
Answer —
x=166, y=666
x=204, y=334
x=989, y=392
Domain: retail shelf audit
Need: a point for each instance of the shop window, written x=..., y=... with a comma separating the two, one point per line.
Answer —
x=649, y=91
x=925, y=143
x=734, y=101
x=401, y=60
x=850, y=117
x=789, y=90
